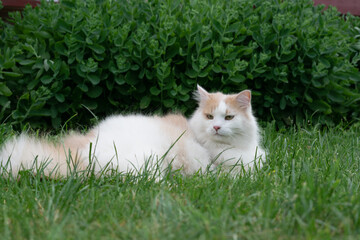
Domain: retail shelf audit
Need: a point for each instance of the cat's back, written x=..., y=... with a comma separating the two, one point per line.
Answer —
x=138, y=128
x=126, y=126
x=173, y=123
x=133, y=138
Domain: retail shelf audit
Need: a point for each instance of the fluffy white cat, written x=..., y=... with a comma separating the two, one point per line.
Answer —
x=221, y=131
x=225, y=126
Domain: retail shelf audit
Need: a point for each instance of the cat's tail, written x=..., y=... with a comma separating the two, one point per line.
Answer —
x=25, y=152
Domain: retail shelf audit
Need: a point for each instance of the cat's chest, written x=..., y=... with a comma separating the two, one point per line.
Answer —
x=217, y=149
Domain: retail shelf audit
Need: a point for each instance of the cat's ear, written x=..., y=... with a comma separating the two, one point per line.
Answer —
x=244, y=99
x=201, y=94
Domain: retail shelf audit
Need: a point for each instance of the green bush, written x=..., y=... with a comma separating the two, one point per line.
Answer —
x=102, y=56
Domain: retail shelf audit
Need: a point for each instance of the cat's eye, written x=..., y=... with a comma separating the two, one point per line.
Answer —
x=209, y=116
x=229, y=117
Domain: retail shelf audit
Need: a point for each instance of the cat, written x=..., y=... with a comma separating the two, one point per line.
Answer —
x=222, y=131
x=227, y=128
x=125, y=143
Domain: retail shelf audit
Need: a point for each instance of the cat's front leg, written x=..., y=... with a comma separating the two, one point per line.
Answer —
x=234, y=159
x=197, y=158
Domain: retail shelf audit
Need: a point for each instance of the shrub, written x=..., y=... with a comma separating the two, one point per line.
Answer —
x=61, y=60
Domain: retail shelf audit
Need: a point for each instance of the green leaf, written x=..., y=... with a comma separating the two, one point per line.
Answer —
x=155, y=91
x=83, y=87
x=288, y=57
x=64, y=26
x=56, y=122
x=233, y=27
x=11, y=74
x=90, y=104
x=32, y=84
x=282, y=103
x=135, y=67
x=308, y=98
x=145, y=102
x=278, y=90
x=26, y=62
x=68, y=4
x=184, y=98
x=40, y=112
x=46, y=65
x=335, y=96
x=120, y=80
x=79, y=56
x=227, y=40
x=171, y=41
x=168, y=103
x=322, y=106
x=95, y=92
x=9, y=64
x=63, y=107
x=60, y=97
x=60, y=48
x=46, y=79
x=172, y=51
x=97, y=48
x=131, y=78
x=4, y=102
x=4, y=90
x=216, y=68
x=43, y=34
x=238, y=78
x=93, y=78
x=217, y=26
x=191, y=73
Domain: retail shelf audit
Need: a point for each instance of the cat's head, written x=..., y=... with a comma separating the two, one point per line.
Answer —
x=223, y=118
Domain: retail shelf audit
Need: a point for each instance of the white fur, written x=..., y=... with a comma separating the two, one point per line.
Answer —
x=130, y=143
x=125, y=143
x=24, y=152
x=237, y=142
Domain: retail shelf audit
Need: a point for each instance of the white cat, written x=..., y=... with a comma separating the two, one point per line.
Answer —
x=222, y=130
x=226, y=127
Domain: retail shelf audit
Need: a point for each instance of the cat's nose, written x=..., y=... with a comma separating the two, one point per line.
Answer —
x=216, y=128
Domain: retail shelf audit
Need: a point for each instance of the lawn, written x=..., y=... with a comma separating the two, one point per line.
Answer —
x=308, y=189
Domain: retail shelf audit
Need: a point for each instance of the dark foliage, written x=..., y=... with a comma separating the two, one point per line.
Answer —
x=64, y=59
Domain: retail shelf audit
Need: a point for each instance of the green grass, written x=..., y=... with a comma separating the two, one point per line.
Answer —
x=308, y=189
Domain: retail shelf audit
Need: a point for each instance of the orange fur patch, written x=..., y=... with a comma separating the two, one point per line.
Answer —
x=176, y=120
x=232, y=102
x=68, y=150
x=175, y=125
x=212, y=102
x=214, y=99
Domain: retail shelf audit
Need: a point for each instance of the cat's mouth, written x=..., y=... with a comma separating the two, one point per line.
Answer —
x=219, y=138
x=218, y=134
